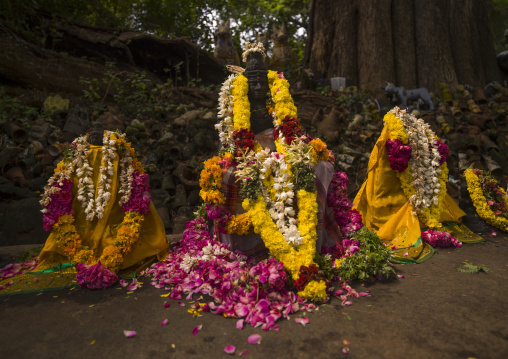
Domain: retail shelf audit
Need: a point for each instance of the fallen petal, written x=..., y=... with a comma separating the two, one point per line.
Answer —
x=164, y=322
x=303, y=321
x=275, y=327
x=239, y=324
x=347, y=302
x=134, y=285
x=244, y=352
x=181, y=304
x=197, y=329
x=129, y=333
x=400, y=276
x=166, y=304
x=493, y=233
x=363, y=294
x=123, y=282
x=345, y=350
x=254, y=339
x=346, y=342
x=230, y=349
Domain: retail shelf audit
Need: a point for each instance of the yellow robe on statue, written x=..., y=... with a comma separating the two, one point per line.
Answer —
x=100, y=233
x=385, y=208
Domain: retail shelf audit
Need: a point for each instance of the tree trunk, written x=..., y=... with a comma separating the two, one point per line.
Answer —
x=413, y=43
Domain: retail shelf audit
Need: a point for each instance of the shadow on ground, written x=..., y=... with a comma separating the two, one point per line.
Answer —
x=433, y=312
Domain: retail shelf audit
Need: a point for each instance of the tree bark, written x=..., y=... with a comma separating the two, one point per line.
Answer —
x=413, y=43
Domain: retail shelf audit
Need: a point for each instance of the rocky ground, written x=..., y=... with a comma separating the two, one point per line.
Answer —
x=434, y=311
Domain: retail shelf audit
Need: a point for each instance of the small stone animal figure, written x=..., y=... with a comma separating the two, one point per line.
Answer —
x=283, y=57
x=225, y=52
x=262, y=39
x=404, y=95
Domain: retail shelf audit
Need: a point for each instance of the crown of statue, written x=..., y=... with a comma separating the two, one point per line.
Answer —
x=253, y=48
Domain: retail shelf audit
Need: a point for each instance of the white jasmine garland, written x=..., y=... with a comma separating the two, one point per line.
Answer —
x=424, y=162
x=86, y=191
x=225, y=127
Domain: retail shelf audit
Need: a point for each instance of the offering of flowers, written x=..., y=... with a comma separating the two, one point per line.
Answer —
x=58, y=214
x=488, y=197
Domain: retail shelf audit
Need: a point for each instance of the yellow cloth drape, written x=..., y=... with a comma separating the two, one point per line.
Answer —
x=385, y=208
x=100, y=233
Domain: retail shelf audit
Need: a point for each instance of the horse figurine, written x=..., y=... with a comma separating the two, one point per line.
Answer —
x=225, y=52
x=418, y=95
x=283, y=57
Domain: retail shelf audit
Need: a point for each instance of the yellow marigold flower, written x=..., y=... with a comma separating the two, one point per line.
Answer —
x=319, y=151
x=314, y=290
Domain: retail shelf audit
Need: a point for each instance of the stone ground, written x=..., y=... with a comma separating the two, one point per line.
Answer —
x=433, y=312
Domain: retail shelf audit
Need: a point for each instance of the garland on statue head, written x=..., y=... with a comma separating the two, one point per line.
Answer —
x=58, y=215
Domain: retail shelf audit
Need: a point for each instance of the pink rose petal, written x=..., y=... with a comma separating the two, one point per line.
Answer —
x=400, y=276
x=244, y=352
x=123, y=283
x=493, y=233
x=230, y=349
x=134, y=285
x=166, y=305
x=303, y=321
x=363, y=294
x=254, y=339
x=406, y=254
x=275, y=328
x=347, y=302
x=197, y=329
x=129, y=333
x=345, y=350
x=181, y=304
x=239, y=324
x=346, y=342
x=164, y=322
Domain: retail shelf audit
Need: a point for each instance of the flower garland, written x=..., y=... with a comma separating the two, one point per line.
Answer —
x=488, y=198
x=420, y=163
x=58, y=215
x=348, y=219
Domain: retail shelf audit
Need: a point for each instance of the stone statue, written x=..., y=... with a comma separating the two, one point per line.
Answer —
x=96, y=134
x=256, y=74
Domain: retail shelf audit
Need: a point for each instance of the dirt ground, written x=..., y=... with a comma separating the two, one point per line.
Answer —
x=433, y=312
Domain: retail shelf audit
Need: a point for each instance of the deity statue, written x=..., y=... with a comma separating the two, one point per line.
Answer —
x=267, y=191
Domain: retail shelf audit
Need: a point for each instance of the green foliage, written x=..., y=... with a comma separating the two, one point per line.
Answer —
x=250, y=189
x=304, y=177
x=12, y=109
x=325, y=265
x=370, y=260
x=472, y=269
x=196, y=19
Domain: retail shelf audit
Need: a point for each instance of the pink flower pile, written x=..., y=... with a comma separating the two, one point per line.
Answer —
x=140, y=198
x=398, y=154
x=256, y=293
x=440, y=239
x=349, y=220
x=220, y=216
x=346, y=248
x=60, y=204
x=95, y=276
x=13, y=269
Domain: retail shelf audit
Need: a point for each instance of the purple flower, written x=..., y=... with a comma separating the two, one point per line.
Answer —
x=398, y=154
x=60, y=204
x=443, y=152
x=140, y=198
x=95, y=276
